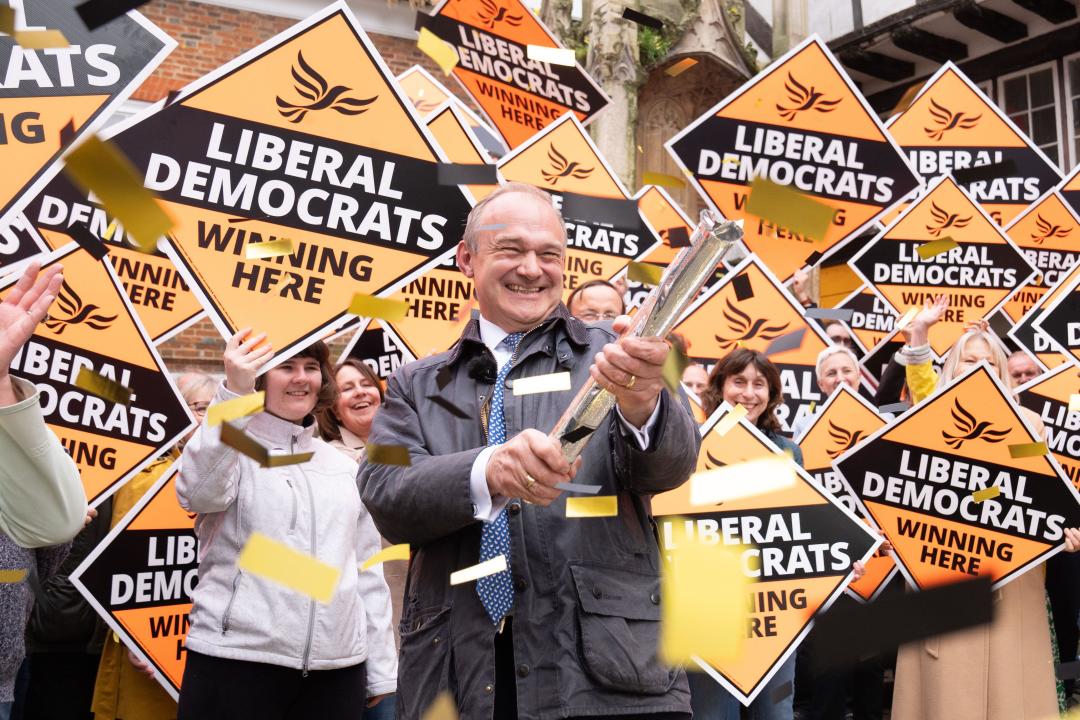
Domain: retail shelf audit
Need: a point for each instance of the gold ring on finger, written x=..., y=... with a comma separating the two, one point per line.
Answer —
x=630, y=385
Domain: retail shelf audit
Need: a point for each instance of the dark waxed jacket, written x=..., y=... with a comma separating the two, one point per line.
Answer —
x=586, y=610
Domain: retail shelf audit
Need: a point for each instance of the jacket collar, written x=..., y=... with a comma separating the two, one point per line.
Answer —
x=560, y=318
x=350, y=439
x=280, y=432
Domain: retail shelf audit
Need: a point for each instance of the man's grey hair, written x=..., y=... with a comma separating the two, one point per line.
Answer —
x=473, y=226
x=829, y=352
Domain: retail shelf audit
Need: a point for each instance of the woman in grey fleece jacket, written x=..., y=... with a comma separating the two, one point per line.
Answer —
x=42, y=501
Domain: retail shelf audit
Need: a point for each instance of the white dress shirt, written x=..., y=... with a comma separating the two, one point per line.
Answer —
x=486, y=507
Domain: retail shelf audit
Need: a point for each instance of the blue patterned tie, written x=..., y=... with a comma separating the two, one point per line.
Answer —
x=496, y=591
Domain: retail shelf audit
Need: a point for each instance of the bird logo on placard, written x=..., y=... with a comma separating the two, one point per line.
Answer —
x=561, y=167
x=946, y=120
x=491, y=13
x=845, y=439
x=804, y=98
x=1047, y=230
x=313, y=87
x=744, y=328
x=970, y=429
x=945, y=220
x=712, y=462
x=425, y=106
x=74, y=312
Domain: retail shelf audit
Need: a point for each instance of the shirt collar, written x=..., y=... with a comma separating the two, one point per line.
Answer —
x=491, y=334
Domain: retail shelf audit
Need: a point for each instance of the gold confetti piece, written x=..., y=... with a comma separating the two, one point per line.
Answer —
x=598, y=506
x=786, y=207
x=936, y=247
x=279, y=563
x=680, y=67
x=1074, y=403
x=554, y=56
x=987, y=494
x=7, y=20
x=243, y=443
x=1023, y=450
x=235, y=408
x=109, y=231
x=644, y=273
x=730, y=420
x=269, y=249
x=469, y=574
x=552, y=382
x=381, y=308
x=394, y=552
x=703, y=591
x=907, y=318
x=907, y=98
x=441, y=708
x=102, y=386
x=442, y=52
x=98, y=167
x=741, y=480
x=40, y=39
x=674, y=366
x=813, y=404
x=12, y=576
x=654, y=178
x=387, y=455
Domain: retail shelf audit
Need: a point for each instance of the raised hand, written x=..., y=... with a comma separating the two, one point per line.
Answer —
x=20, y=312
x=243, y=357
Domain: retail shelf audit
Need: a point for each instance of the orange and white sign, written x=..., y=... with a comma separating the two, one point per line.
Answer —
x=920, y=480
x=1048, y=396
x=519, y=95
x=800, y=541
x=951, y=126
x=93, y=325
x=306, y=137
x=720, y=321
x=1027, y=333
x=978, y=274
x=426, y=94
x=871, y=317
x=843, y=422
x=1060, y=320
x=800, y=123
x=140, y=579
x=1049, y=234
x=563, y=159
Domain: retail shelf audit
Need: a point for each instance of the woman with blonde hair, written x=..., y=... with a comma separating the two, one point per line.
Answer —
x=1003, y=670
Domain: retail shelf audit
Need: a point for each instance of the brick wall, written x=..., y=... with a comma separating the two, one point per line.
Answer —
x=208, y=37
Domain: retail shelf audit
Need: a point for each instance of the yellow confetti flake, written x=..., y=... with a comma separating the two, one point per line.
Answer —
x=907, y=318
x=730, y=420
x=680, y=67
x=387, y=455
x=243, y=443
x=7, y=20
x=553, y=56
x=268, y=249
x=1023, y=450
x=8, y=577
x=552, y=382
x=442, y=52
x=475, y=572
x=674, y=366
x=786, y=207
x=441, y=708
x=662, y=179
x=274, y=561
x=98, y=167
x=394, y=552
x=109, y=231
x=987, y=494
x=381, y=308
x=1074, y=403
x=102, y=386
x=741, y=480
x=703, y=609
x=936, y=247
x=588, y=507
x=644, y=273
x=235, y=408
x=40, y=39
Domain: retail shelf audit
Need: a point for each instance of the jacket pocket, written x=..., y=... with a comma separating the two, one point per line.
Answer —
x=232, y=598
x=424, y=658
x=619, y=624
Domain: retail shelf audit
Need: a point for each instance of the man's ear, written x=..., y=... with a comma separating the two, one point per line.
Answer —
x=464, y=260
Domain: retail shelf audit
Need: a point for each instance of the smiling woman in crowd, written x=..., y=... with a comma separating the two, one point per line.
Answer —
x=257, y=649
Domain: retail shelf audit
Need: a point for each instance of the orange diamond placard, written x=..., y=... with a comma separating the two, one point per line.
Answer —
x=800, y=544
x=800, y=123
x=1048, y=396
x=952, y=128
x=917, y=480
x=978, y=274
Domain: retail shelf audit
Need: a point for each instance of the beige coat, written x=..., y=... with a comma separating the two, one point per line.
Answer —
x=394, y=572
x=1001, y=671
